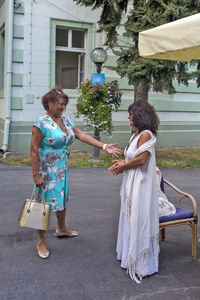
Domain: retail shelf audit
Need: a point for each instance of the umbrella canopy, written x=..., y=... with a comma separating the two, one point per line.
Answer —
x=178, y=40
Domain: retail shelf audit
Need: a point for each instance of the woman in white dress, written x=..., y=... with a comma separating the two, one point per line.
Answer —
x=138, y=232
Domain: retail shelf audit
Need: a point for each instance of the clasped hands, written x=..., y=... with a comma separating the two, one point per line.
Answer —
x=119, y=165
x=117, y=168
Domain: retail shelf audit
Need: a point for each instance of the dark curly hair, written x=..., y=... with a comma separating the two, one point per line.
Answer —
x=144, y=116
x=53, y=96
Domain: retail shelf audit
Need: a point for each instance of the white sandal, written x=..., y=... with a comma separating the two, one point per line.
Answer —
x=42, y=254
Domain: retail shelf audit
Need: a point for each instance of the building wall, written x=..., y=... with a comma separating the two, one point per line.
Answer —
x=34, y=74
x=3, y=28
x=3, y=68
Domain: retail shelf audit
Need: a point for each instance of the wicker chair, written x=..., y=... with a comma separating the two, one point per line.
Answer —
x=181, y=217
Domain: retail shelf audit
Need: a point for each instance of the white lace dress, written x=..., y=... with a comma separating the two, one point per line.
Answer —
x=138, y=231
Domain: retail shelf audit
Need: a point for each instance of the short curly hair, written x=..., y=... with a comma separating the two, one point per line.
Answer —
x=144, y=116
x=53, y=96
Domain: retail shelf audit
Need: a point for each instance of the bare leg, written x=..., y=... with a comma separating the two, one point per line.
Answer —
x=62, y=227
x=41, y=241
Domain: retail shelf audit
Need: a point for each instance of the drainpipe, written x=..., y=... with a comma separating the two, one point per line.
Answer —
x=9, y=77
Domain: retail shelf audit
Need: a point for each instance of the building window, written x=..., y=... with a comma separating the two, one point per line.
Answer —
x=2, y=50
x=70, y=57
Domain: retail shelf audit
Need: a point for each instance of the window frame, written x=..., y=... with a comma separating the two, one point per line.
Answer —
x=69, y=48
x=89, y=38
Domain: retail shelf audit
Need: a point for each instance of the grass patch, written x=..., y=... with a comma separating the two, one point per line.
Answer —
x=17, y=160
x=178, y=158
x=166, y=158
x=83, y=160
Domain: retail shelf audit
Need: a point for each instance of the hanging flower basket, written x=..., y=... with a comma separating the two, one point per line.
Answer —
x=96, y=103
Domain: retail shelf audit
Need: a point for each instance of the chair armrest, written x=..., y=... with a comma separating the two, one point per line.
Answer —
x=184, y=195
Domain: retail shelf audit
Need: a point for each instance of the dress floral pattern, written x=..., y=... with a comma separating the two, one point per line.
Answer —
x=53, y=160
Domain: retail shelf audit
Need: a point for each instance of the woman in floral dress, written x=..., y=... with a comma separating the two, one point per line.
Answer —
x=52, y=133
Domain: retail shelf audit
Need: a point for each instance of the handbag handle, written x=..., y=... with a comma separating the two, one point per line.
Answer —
x=44, y=201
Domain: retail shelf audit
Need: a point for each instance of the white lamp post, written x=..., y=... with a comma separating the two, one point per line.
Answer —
x=98, y=57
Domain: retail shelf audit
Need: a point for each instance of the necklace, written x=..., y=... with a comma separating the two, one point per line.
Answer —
x=55, y=119
x=60, y=123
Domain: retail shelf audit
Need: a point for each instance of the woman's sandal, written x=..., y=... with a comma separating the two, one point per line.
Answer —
x=65, y=234
x=42, y=254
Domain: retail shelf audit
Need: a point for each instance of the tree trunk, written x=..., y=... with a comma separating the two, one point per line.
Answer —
x=141, y=92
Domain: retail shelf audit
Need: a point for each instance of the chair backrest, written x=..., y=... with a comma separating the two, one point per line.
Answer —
x=162, y=185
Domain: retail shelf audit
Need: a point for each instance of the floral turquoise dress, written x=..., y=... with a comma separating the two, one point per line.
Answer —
x=53, y=160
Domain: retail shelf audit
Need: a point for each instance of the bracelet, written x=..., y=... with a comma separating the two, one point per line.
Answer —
x=104, y=147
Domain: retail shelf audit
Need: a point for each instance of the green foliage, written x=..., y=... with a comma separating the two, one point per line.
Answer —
x=159, y=75
x=110, y=16
x=142, y=15
x=96, y=103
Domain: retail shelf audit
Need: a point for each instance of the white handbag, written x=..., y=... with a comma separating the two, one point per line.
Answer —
x=35, y=214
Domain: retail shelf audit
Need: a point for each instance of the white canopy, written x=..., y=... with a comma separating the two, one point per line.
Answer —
x=178, y=40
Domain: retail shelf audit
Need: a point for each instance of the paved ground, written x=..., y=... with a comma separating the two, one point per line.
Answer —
x=85, y=268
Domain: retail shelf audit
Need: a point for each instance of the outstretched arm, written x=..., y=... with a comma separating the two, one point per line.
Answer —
x=90, y=140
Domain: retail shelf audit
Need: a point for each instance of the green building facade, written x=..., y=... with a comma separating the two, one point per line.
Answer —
x=42, y=45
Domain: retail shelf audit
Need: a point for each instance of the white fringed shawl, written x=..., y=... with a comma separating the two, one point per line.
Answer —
x=141, y=207
x=166, y=208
